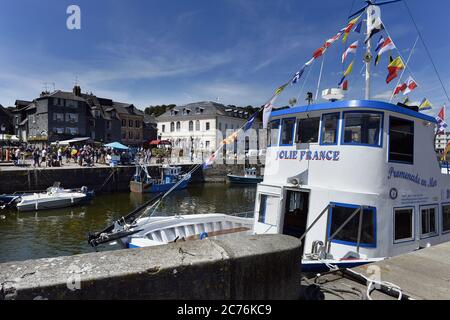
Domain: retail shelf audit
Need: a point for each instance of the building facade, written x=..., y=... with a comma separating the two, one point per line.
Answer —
x=6, y=121
x=198, y=128
x=132, y=124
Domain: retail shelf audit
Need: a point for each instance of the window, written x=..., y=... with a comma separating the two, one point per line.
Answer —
x=58, y=130
x=58, y=102
x=108, y=125
x=172, y=127
x=207, y=126
x=137, y=136
x=197, y=125
x=349, y=233
x=97, y=114
x=262, y=208
x=428, y=221
x=446, y=217
x=287, y=131
x=178, y=125
x=59, y=117
x=72, y=131
x=130, y=123
x=274, y=128
x=330, y=124
x=130, y=135
x=72, y=117
x=71, y=104
x=308, y=130
x=401, y=140
x=403, y=224
x=207, y=144
x=137, y=123
x=362, y=128
x=124, y=135
x=163, y=128
x=124, y=123
x=191, y=125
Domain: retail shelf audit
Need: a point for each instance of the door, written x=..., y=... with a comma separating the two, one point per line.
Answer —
x=295, y=213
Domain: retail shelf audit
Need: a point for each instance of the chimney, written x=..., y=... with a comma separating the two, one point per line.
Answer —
x=77, y=91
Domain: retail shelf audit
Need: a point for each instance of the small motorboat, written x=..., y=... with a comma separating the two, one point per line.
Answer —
x=249, y=177
x=142, y=182
x=55, y=197
x=155, y=231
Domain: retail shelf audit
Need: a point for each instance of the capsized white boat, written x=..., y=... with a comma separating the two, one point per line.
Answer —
x=54, y=197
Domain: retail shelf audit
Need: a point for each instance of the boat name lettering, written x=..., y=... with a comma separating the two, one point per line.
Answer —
x=397, y=174
x=330, y=155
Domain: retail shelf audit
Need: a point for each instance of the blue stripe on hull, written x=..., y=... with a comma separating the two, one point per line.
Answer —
x=244, y=180
x=156, y=188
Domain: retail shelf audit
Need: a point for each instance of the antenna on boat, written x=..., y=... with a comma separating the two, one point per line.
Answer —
x=371, y=16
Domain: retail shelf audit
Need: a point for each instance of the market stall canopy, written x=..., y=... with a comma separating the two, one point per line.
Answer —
x=116, y=145
x=68, y=142
x=160, y=142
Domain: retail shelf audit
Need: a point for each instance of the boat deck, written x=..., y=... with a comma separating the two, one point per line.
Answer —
x=422, y=275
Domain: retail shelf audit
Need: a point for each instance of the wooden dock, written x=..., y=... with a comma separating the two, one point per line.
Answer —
x=421, y=275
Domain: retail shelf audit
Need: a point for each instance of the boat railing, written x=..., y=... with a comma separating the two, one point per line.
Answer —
x=329, y=239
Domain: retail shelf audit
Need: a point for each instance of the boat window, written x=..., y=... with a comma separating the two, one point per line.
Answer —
x=401, y=140
x=308, y=130
x=428, y=221
x=287, y=131
x=262, y=208
x=274, y=128
x=362, y=128
x=403, y=224
x=349, y=233
x=330, y=124
x=446, y=218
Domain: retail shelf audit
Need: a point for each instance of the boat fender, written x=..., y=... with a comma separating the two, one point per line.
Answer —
x=203, y=235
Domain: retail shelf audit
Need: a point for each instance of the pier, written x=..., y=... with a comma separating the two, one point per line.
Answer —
x=100, y=178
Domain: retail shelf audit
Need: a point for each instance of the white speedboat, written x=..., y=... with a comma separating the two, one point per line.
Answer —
x=162, y=230
x=55, y=197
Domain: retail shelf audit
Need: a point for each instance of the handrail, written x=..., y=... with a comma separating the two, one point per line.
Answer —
x=328, y=241
x=316, y=220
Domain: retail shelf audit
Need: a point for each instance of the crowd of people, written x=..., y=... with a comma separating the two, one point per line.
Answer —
x=87, y=155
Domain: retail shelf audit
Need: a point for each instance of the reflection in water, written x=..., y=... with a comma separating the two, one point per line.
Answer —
x=64, y=231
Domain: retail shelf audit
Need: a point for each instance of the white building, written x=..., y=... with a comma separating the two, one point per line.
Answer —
x=199, y=127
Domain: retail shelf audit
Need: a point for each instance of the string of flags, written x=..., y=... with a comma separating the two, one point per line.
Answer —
x=393, y=68
x=406, y=87
x=441, y=120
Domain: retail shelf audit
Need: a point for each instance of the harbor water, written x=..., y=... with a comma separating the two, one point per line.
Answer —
x=43, y=234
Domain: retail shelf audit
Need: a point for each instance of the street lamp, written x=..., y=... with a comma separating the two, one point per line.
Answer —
x=192, y=149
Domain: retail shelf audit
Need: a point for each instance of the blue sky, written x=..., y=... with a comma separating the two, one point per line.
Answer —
x=159, y=52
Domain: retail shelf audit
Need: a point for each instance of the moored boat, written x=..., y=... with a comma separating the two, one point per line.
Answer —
x=249, y=177
x=170, y=176
x=55, y=197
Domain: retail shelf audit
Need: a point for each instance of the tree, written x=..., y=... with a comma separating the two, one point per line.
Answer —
x=158, y=110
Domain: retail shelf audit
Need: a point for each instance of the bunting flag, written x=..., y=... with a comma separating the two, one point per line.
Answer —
x=400, y=88
x=385, y=46
x=410, y=84
x=441, y=120
x=349, y=28
x=249, y=123
x=352, y=49
x=344, y=85
x=329, y=42
x=280, y=89
x=380, y=42
x=267, y=110
x=297, y=75
x=358, y=27
x=231, y=138
x=310, y=62
x=393, y=68
x=374, y=24
x=346, y=73
x=425, y=105
x=210, y=161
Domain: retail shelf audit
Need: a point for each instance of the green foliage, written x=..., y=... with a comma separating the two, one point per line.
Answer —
x=158, y=110
x=160, y=153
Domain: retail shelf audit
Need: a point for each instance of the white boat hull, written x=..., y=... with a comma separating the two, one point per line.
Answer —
x=37, y=202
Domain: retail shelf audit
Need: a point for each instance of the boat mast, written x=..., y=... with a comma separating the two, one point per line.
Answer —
x=368, y=55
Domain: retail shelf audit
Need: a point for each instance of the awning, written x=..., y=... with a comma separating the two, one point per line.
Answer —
x=160, y=142
x=68, y=142
x=116, y=145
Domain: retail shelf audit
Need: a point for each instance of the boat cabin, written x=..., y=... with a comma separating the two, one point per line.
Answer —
x=354, y=179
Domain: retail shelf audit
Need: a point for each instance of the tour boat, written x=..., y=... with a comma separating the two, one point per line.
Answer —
x=55, y=197
x=357, y=181
x=142, y=182
x=249, y=177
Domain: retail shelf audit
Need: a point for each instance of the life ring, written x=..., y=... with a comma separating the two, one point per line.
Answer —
x=203, y=235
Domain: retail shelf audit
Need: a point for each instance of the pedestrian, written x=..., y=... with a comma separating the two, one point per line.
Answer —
x=44, y=156
x=36, y=158
x=60, y=156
